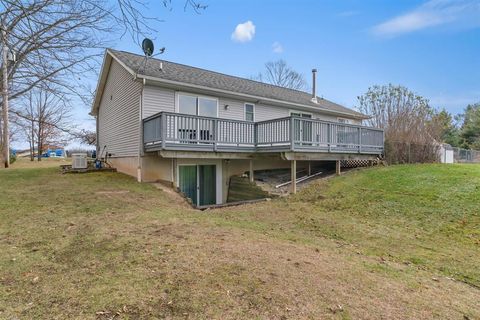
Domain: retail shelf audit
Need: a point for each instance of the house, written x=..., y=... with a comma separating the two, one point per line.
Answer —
x=194, y=128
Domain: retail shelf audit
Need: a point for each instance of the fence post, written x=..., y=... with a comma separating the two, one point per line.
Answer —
x=408, y=148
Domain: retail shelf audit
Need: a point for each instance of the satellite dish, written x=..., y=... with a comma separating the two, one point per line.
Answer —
x=147, y=46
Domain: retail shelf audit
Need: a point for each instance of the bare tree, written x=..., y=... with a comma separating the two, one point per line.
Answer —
x=130, y=15
x=411, y=132
x=404, y=115
x=280, y=74
x=86, y=137
x=44, y=119
x=60, y=42
x=55, y=43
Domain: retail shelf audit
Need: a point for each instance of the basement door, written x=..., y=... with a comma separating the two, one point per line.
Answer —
x=198, y=182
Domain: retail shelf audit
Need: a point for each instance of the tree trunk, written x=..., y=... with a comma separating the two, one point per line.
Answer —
x=5, y=133
x=32, y=141
x=39, y=141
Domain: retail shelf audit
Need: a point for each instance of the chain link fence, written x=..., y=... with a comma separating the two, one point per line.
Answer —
x=464, y=155
x=397, y=152
x=402, y=152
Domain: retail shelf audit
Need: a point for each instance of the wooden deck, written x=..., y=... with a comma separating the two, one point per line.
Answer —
x=181, y=132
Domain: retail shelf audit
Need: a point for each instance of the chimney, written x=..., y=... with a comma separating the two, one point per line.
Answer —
x=314, y=85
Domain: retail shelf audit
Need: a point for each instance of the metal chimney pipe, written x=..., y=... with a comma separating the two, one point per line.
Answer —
x=314, y=85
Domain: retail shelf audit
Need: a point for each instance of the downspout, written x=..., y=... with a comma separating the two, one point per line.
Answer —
x=140, y=144
x=97, y=136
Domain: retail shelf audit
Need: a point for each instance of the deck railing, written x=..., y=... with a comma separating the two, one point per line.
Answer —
x=175, y=131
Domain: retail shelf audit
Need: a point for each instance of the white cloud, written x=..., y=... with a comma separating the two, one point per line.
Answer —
x=460, y=13
x=277, y=47
x=244, y=32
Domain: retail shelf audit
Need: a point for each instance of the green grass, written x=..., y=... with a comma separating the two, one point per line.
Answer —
x=427, y=215
x=376, y=243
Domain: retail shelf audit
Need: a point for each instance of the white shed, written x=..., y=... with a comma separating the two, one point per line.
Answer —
x=446, y=153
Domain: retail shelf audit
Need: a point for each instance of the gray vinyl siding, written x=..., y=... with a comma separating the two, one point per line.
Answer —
x=119, y=113
x=235, y=109
x=157, y=99
x=267, y=112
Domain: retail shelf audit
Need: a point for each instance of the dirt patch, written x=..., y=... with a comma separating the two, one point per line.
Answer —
x=267, y=180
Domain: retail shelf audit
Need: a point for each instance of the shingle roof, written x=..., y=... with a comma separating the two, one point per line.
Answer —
x=200, y=77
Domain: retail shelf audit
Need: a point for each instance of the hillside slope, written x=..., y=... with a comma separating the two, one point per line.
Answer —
x=401, y=242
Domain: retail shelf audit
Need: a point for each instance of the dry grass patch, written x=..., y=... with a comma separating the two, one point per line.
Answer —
x=97, y=246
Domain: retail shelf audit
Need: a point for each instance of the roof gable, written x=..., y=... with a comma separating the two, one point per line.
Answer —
x=193, y=76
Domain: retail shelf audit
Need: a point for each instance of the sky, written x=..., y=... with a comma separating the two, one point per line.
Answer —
x=430, y=46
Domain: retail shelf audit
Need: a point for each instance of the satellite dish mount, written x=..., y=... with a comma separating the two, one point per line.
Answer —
x=148, y=49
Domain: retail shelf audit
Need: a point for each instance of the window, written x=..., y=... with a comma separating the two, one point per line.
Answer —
x=249, y=112
x=207, y=107
x=300, y=114
x=187, y=104
x=342, y=120
x=201, y=106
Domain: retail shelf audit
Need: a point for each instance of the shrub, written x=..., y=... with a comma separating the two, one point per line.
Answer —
x=13, y=158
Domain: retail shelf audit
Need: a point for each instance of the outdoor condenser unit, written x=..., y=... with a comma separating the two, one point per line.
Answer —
x=79, y=161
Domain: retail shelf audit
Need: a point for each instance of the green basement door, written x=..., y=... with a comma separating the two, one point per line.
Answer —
x=198, y=182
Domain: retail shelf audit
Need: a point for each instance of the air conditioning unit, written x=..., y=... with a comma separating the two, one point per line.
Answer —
x=79, y=161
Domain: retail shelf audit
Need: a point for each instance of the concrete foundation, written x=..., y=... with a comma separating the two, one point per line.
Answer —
x=154, y=168
x=127, y=165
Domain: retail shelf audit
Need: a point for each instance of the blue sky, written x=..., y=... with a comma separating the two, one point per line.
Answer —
x=432, y=47
x=429, y=46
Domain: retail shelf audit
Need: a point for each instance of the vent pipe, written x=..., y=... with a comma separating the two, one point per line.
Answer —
x=314, y=85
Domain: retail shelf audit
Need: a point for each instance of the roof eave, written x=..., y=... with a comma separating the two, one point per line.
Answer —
x=244, y=95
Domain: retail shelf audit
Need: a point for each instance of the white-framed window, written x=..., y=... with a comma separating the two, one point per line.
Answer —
x=197, y=105
x=301, y=114
x=249, y=112
x=343, y=120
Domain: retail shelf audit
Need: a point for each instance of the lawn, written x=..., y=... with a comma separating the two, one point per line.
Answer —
x=399, y=242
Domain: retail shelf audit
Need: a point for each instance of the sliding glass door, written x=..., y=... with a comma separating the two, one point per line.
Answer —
x=303, y=129
x=194, y=130
x=199, y=183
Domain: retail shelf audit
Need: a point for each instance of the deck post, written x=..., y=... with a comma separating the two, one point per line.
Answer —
x=250, y=172
x=309, y=168
x=163, y=129
x=329, y=137
x=337, y=167
x=215, y=134
x=359, y=140
x=294, y=176
x=292, y=133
